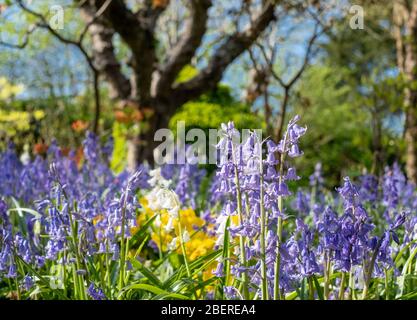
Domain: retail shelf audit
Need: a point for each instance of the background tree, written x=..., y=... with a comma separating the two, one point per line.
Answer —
x=366, y=58
x=405, y=32
x=152, y=83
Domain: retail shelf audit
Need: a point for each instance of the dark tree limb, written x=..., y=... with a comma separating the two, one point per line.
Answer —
x=288, y=85
x=185, y=49
x=137, y=33
x=21, y=45
x=103, y=54
x=43, y=23
x=235, y=45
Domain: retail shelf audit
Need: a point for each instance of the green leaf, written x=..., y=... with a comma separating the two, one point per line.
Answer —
x=401, y=252
x=291, y=296
x=155, y=290
x=140, y=233
x=146, y=272
x=408, y=296
x=318, y=288
x=27, y=210
x=195, y=267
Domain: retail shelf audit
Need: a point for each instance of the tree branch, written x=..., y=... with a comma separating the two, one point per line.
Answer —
x=21, y=45
x=137, y=32
x=305, y=62
x=44, y=24
x=235, y=45
x=104, y=56
x=185, y=49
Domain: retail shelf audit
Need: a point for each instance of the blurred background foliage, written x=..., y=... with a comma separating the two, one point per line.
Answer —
x=349, y=95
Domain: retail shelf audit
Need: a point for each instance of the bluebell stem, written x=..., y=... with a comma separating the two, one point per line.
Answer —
x=287, y=146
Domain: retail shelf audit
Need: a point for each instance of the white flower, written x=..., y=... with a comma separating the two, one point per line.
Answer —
x=236, y=251
x=168, y=200
x=185, y=236
x=157, y=179
x=170, y=225
x=25, y=157
x=219, y=241
x=157, y=221
x=173, y=244
x=221, y=222
x=159, y=198
x=152, y=198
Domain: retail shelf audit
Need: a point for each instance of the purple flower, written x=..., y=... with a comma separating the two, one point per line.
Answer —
x=28, y=282
x=96, y=293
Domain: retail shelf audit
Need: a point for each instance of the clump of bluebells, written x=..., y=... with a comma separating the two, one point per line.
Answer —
x=344, y=244
x=71, y=230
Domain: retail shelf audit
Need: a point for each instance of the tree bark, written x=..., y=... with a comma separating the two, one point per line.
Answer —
x=405, y=22
x=141, y=147
x=152, y=82
x=378, y=155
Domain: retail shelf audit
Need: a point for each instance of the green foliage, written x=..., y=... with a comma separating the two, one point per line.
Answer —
x=186, y=74
x=338, y=133
x=119, y=156
x=215, y=108
x=205, y=115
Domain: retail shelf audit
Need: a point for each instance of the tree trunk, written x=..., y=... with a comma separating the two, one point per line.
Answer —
x=405, y=31
x=378, y=154
x=140, y=148
x=411, y=136
x=281, y=119
x=152, y=82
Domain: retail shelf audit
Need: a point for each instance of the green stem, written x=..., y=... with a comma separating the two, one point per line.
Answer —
x=342, y=286
x=351, y=285
x=368, y=271
x=19, y=297
x=277, y=294
x=122, y=247
x=78, y=279
x=226, y=253
x=241, y=238
x=64, y=272
x=102, y=272
x=326, y=274
x=108, y=275
x=263, y=245
x=310, y=288
x=184, y=253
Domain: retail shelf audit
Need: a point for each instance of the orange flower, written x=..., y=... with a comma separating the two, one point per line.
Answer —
x=160, y=3
x=122, y=117
x=79, y=155
x=137, y=115
x=79, y=125
x=40, y=148
x=65, y=151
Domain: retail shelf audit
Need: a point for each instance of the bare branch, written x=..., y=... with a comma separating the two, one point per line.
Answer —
x=136, y=31
x=97, y=15
x=24, y=43
x=185, y=49
x=45, y=25
x=103, y=53
x=235, y=45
